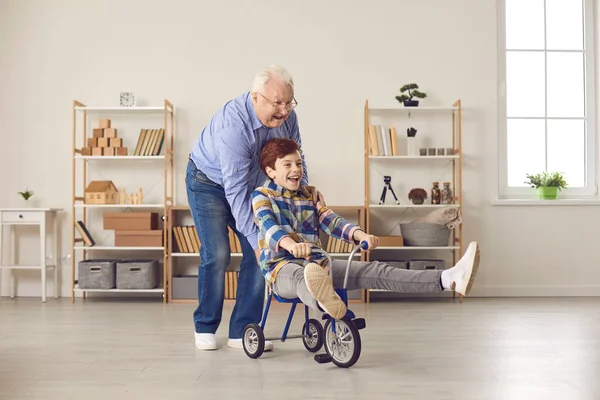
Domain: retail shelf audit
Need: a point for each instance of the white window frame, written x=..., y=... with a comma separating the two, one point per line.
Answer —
x=590, y=190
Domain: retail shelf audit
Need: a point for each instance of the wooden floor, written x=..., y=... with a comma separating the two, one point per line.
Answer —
x=412, y=349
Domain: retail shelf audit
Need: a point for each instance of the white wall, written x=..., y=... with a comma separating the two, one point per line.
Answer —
x=199, y=54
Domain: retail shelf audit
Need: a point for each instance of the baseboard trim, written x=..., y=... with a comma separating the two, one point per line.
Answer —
x=536, y=291
x=506, y=291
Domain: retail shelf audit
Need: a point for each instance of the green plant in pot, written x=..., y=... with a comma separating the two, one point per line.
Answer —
x=547, y=184
x=417, y=195
x=26, y=195
x=408, y=92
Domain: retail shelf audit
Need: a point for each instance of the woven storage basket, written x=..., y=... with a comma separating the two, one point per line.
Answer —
x=425, y=234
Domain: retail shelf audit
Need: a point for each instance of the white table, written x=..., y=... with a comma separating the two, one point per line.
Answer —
x=41, y=217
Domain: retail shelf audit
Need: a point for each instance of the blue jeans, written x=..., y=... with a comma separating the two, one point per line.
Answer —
x=212, y=215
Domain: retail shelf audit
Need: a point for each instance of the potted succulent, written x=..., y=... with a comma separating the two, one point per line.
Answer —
x=417, y=195
x=26, y=195
x=547, y=184
x=407, y=99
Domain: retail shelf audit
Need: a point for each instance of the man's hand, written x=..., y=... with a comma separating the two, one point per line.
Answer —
x=316, y=195
x=371, y=240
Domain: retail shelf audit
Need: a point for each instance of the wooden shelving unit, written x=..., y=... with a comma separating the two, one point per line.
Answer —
x=131, y=162
x=406, y=164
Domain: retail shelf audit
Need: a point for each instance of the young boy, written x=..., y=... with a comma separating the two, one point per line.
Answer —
x=289, y=227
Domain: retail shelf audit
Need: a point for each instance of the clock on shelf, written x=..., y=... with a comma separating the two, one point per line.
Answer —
x=127, y=99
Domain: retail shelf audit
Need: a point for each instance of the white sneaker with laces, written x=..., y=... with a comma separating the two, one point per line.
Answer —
x=206, y=341
x=460, y=277
x=237, y=344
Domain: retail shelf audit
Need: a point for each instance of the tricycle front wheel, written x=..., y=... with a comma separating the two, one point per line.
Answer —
x=344, y=344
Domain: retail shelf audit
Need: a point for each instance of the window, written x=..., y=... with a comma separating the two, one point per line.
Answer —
x=546, y=87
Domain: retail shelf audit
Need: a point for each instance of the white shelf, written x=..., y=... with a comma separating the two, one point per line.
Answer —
x=416, y=248
x=80, y=157
x=453, y=157
x=240, y=254
x=119, y=205
x=400, y=107
x=122, y=110
x=413, y=205
x=158, y=290
x=117, y=248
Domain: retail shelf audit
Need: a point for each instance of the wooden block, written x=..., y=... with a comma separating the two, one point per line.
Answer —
x=104, y=123
x=92, y=142
x=110, y=132
x=115, y=142
x=86, y=151
x=121, y=151
x=98, y=132
x=97, y=151
x=108, y=151
x=103, y=142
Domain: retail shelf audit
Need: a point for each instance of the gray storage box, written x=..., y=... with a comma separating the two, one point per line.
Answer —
x=137, y=274
x=185, y=287
x=425, y=234
x=97, y=274
x=426, y=264
x=402, y=264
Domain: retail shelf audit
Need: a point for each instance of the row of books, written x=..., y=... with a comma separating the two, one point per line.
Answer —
x=85, y=234
x=231, y=284
x=187, y=240
x=383, y=141
x=150, y=142
x=335, y=245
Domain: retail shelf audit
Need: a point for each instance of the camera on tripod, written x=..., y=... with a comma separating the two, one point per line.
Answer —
x=387, y=184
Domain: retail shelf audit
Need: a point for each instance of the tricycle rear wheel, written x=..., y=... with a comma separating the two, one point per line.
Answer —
x=314, y=340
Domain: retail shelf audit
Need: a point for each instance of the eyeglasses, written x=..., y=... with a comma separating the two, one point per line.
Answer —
x=281, y=106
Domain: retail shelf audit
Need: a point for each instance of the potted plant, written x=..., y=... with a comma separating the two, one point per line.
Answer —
x=26, y=195
x=547, y=184
x=407, y=99
x=417, y=195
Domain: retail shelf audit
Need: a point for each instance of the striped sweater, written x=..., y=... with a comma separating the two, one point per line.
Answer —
x=279, y=212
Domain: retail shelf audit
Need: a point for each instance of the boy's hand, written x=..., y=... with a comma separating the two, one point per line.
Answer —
x=316, y=195
x=301, y=250
x=371, y=240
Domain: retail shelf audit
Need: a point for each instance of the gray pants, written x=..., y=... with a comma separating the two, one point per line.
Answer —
x=290, y=283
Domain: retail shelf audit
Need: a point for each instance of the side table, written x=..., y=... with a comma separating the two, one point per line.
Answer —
x=41, y=217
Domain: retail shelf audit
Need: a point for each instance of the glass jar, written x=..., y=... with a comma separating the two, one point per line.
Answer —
x=447, y=194
x=436, y=194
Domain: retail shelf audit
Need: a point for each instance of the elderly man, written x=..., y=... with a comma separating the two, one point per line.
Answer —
x=222, y=172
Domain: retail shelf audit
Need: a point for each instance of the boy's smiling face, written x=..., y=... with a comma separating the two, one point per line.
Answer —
x=288, y=171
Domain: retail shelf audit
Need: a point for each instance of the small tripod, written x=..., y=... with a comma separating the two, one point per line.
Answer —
x=386, y=185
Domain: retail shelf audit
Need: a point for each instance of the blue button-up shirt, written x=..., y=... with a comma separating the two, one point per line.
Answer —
x=228, y=153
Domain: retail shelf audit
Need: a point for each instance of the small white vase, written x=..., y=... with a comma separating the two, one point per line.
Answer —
x=411, y=146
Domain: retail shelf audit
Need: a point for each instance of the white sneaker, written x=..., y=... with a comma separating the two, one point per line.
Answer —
x=237, y=344
x=206, y=341
x=460, y=278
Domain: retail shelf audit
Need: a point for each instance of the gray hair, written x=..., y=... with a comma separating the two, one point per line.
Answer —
x=272, y=71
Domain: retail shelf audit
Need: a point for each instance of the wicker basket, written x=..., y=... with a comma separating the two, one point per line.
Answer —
x=425, y=234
